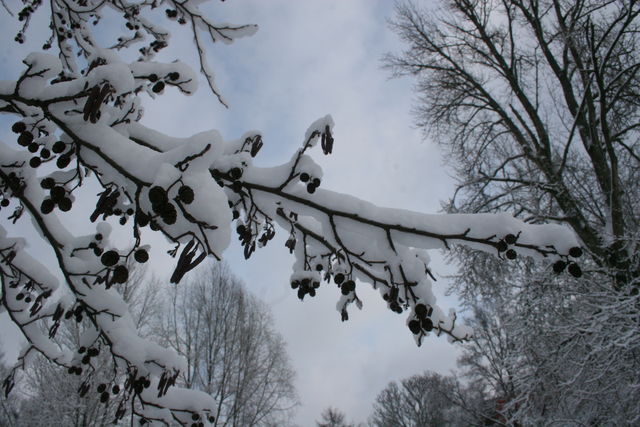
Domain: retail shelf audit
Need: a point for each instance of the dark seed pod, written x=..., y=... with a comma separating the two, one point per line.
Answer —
x=58, y=147
x=350, y=285
x=316, y=182
x=185, y=193
x=304, y=177
x=426, y=324
x=559, y=266
x=235, y=173
x=142, y=219
x=311, y=188
x=33, y=147
x=63, y=161
x=82, y=350
x=502, y=246
x=169, y=214
x=575, y=270
x=104, y=397
x=65, y=204
x=102, y=387
x=57, y=193
x=35, y=162
x=25, y=138
x=4, y=203
x=236, y=186
x=414, y=326
x=510, y=238
x=141, y=256
x=45, y=153
x=110, y=258
x=575, y=252
x=47, y=206
x=18, y=127
x=85, y=359
x=421, y=310
x=158, y=87
x=115, y=389
x=158, y=196
x=195, y=417
x=511, y=254
x=47, y=183
x=120, y=274
x=174, y=75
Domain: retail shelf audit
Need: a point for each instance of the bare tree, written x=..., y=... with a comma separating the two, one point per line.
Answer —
x=418, y=401
x=232, y=351
x=537, y=104
x=332, y=417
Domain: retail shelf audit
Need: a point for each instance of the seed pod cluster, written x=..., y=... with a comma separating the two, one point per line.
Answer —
x=162, y=206
x=503, y=246
x=392, y=299
x=57, y=197
x=312, y=182
x=305, y=286
x=571, y=266
x=14, y=184
x=422, y=319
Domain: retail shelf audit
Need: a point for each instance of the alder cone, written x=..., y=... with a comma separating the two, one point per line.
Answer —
x=47, y=206
x=575, y=252
x=65, y=204
x=421, y=310
x=47, y=183
x=141, y=256
x=427, y=324
x=559, y=266
x=58, y=147
x=25, y=138
x=18, y=127
x=575, y=270
x=120, y=274
x=110, y=258
x=186, y=195
x=414, y=326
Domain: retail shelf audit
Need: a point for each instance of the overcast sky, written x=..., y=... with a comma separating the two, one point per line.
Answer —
x=311, y=58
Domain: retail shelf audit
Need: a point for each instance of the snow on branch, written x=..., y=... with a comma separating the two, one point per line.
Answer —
x=79, y=123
